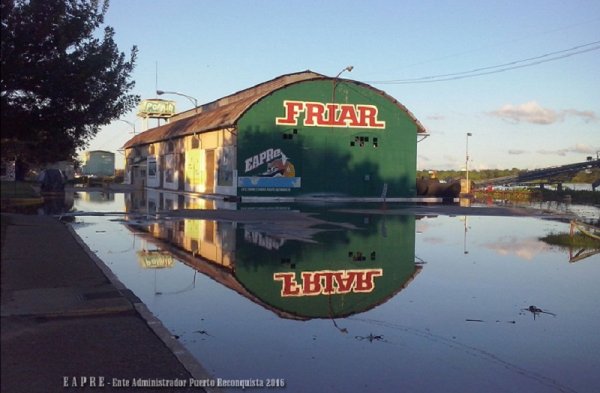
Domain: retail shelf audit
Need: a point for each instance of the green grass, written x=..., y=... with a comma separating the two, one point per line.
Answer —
x=582, y=196
x=534, y=195
x=18, y=190
x=578, y=240
x=19, y=197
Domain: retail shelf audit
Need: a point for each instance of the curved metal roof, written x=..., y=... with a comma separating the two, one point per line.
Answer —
x=225, y=112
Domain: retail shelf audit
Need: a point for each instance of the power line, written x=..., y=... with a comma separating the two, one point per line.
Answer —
x=512, y=63
x=531, y=61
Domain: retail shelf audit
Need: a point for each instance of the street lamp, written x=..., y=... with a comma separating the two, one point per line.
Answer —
x=192, y=99
x=467, y=163
x=130, y=123
x=349, y=69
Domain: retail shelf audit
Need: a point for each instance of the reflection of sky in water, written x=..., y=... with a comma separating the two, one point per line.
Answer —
x=99, y=202
x=459, y=325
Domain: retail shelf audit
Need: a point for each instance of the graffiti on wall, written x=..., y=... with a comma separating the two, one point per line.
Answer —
x=269, y=170
x=193, y=168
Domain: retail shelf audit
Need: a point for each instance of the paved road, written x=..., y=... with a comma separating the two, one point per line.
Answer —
x=67, y=321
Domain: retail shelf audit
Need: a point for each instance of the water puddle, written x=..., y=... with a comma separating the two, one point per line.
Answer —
x=332, y=300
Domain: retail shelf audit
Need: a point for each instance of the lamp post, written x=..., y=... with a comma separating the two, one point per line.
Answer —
x=192, y=99
x=467, y=163
x=349, y=69
x=130, y=123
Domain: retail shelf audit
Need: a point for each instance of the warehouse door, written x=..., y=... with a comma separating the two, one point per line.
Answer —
x=210, y=171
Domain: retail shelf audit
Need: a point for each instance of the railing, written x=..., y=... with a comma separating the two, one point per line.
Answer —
x=537, y=174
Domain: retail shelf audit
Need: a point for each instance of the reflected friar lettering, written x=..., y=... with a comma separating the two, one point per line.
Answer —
x=328, y=282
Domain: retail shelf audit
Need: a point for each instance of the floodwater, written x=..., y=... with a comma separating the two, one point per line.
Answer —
x=362, y=301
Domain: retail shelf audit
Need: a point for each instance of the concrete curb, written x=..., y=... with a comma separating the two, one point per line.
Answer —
x=188, y=361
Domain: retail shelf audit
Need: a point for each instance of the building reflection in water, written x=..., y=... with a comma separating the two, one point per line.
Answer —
x=333, y=272
x=97, y=197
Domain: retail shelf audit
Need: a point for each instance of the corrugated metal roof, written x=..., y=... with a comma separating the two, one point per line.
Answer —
x=224, y=112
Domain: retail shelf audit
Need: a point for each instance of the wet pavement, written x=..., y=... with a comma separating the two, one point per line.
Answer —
x=69, y=325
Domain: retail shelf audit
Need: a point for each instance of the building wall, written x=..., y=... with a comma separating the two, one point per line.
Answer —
x=203, y=163
x=98, y=163
x=317, y=137
x=303, y=151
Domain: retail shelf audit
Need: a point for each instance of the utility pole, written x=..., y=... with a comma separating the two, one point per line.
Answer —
x=468, y=188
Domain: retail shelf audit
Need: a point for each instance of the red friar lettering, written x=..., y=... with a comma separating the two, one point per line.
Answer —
x=318, y=114
x=328, y=282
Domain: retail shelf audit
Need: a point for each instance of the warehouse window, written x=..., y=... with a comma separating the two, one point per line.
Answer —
x=362, y=141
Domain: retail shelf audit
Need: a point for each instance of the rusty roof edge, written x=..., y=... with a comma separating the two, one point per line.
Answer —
x=287, y=80
x=131, y=143
x=241, y=94
x=420, y=128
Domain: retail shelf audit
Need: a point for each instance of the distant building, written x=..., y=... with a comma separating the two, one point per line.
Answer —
x=296, y=135
x=98, y=163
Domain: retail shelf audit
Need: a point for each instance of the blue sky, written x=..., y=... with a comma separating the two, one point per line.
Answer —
x=530, y=117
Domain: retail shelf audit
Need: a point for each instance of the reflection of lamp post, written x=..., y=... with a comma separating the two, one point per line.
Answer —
x=192, y=99
x=130, y=123
x=465, y=238
x=188, y=288
x=467, y=163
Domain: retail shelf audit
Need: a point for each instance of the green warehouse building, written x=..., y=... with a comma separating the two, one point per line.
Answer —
x=301, y=135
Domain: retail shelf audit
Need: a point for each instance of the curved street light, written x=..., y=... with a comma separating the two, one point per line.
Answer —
x=192, y=99
x=349, y=69
x=130, y=123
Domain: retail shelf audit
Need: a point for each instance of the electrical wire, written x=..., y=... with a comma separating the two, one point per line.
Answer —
x=531, y=61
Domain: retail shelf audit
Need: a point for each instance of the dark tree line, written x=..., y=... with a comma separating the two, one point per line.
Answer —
x=61, y=78
x=585, y=176
x=473, y=175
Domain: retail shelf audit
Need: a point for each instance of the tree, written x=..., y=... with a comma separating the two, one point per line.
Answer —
x=61, y=80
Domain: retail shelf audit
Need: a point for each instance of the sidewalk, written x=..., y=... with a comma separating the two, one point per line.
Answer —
x=67, y=321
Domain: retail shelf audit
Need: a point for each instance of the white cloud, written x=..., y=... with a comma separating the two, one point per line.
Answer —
x=527, y=249
x=584, y=149
x=532, y=112
x=578, y=148
x=516, y=151
x=529, y=112
x=587, y=116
